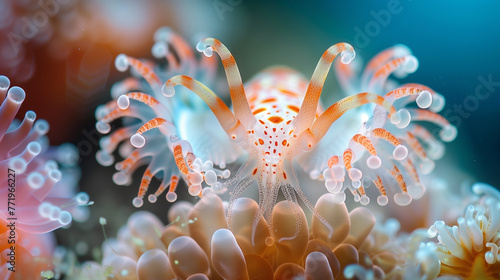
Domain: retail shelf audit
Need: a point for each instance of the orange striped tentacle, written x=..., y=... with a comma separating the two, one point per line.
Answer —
x=179, y=160
x=171, y=195
x=154, y=123
x=309, y=107
x=335, y=111
x=400, y=152
x=347, y=157
x=381, y=58
x=238, y=97
x=399, y=179
x=143, y=97
x=448, y=131
x=146, y=72
x=333, y=161
x=415, y=145
x=380, y=186
x=365, y=142
x=382, y=73
x=228, y=121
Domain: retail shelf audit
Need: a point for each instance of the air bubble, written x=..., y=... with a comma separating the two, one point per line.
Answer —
x=424, y=99
x=123, y=102
x=121, y=63
x=137, y=140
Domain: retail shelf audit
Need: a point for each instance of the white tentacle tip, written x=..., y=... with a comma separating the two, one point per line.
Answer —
x=400, y=152
x=205, y=49
x=411, y=64
x=121, y=63
x=123, y=102
x=424, y=99
x=137, y=140
x=347, y=56
x=373, y=162
x=168, y=90
x=448, y=133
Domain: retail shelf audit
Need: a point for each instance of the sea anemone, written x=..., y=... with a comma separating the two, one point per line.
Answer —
x=38, y=188
x=469, y=249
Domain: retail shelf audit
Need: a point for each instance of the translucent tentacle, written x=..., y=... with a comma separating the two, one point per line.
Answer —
x=238, y=98
x=309, y=106
x=228, y=121
x=335, y=111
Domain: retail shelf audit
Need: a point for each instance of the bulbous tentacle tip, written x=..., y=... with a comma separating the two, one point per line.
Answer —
x=405, y=118
x=382, y=200
x=104, y=159
x=168, y=90
x=424, y=99
x=402, y=199
x=448, y=133
x=152, y=198
x=438, y=102
x=137, y=140
x=123, y=102
x=16, y=95
x=4, y=83
x=162, y=33
x=171, y=197
x=18, y=164
x=410, y=65
x=400, y=152
x=103, y=127
x=347, y=56
x=159, y=49
x=121, y=63
x=416, y=190
x=205, y=48
x=137, y=202
x=373, y=162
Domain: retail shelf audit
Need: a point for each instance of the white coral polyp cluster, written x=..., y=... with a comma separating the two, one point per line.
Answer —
x=470, y=248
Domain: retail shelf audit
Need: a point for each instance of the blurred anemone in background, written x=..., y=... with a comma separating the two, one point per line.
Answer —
x=42, y=184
